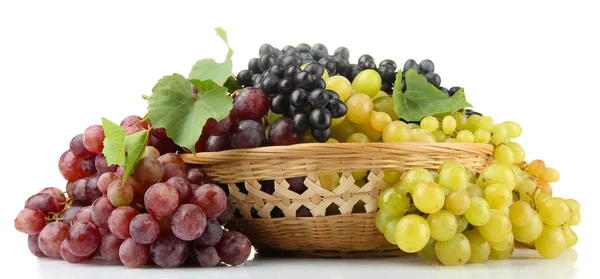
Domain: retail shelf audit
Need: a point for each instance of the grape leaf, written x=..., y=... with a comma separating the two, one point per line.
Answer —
x=232, y=84
x=174, y=107
x=209, y=68
x=114, y=143
x=135, y=145
x=422, y=98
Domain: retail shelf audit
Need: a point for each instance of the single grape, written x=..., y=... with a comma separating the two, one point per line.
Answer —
x=504, y=244
x=391, y=177
x=367, y=82
x=69, y=166
x=453, y=252
x=497, y=228
x=452, y=176
x=497, y=174
x=34, y=247
x=120, y=193
x=531, y=231
x=514, y=129
x=396, y=131
x=549, y=175
x=102, y=165
x=83, y=239
x=84, y=214
x=227, y=215
x=482, y=136
x=442, y=225
x=144, y=228
x=430, y=123
x=100, y=211
x=251, y=103
x=465, y=136
x=321, y=135
x=133, y=254
x=389, y=229
x=119, y=221
x=282, y=132
x=161, y=199
x=171, y=158
x=480, y=247
x=51, y=237
x=211, y=235
x=46, y=203
x=554, y=211
x=414, y=177
x=412, y=233
x=448, y=124
x=247, y=134
x=499, y=134
x=504, y=154
x=551, y=243
x=196, y=176
x=379, y=120
x=286, y=85
x=570, y=236
x=168, y=251
x=360, y=107
x=340, y=85
x=457, y=202
x=520, y=213
x=76, y=146
x=574, y=206
x=233, y=248
x=478, y=213
x=498, y=196
x=394, y=202
x=188, y=222
x=93, y=139
x=211, y=199
x=207, y=257
x=109, y=248
x=428, y=197
x=30, y=221
x=517, y=150
x=184, y=188
x=173, y=170
x=244, y=77
x=69, y=257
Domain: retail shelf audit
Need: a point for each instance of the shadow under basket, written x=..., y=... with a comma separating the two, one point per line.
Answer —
x=306, y=219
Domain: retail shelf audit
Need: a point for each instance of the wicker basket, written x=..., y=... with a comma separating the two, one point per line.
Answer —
x=345, y=234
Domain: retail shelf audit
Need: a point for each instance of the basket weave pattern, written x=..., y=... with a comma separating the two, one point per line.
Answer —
x=347, y=231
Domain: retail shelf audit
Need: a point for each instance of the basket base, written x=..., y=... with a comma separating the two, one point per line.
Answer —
x=267, y=253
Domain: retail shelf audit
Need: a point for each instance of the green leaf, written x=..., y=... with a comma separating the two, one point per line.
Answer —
x=114, y=142
x=210, y=69
x=422, y=98
x=232, y=84
x=146, y=97
x=135, y=145
x=173, y=106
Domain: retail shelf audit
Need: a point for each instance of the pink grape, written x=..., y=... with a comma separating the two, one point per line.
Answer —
x=251, y=103
x=83, y=239
x=207, y=257
x=144, y=228
x=34, y=248
x=88, y=164
x=196, y=176
x=211, y=235
x=133, y=120
x=148, y=171
x=133, y=254
x=227, y=215
x=105, y=180
x=161, y=199
x=101, y=210
x=68, y=256
x=168, y=251
x=173, y=170
x=51, y=237
x=102, y=165
x=93, y=139
x=171, y=158
x=233, y=248
x=120, y=193
x=109, y=247
x=184, y=188
x=119, y=220
x=222, y=127
x=57, y=193
x=69, y=166
x=30, y=221
x=44, y=202
x=212, y=199
x=69, y=214
x=188, y=222
x=84, y=214
x=86, y=190
x=77, y=146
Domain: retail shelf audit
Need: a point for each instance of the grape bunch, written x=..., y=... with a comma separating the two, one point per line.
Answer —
x=165, y=214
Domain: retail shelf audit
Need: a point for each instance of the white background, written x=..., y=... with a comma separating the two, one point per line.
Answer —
x=66, y=64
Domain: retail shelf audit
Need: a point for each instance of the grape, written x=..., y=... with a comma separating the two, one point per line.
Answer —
x=105, y=180
x=478, y=213
x=51, y=237
x=265, y=61
x=385, y=104
x=66, y=255
x=575, y=220
x=473, y=122
x=497, y=174
x=184, y=188
x=505, y=243
x=428, y=197
x=497, y=228
x=148, y=171
x=514, y=129
x=480, y=247
x=448, y=124
x=414, y=177
x=188, y=222
x=536, y=167
x=168, y=251
x=34, y=247
x=88, y=164
x=482, y=136
x=251, y=103
x=396, y=131
x=300, y=122
x=517, y=151
x=109, y=248
x=222, y=127
x=321, y=135
x=387, y=74
x=119, y=220
x=337, y=107
x=394, y=202
x=442, y=225
x=144, y=228
x=196, y=176
x=549, y=175
x=211, y=235
x=358, y=137
x=420, y=135
x=120, y=193
x=462, y=223
x=159, y=140
x=207, y=257
x=367, y=82
x=486, y=123
x=319, y=51
x=172, y=170
x=282, y=132
x=151, y=152
x=299, y=98
x=452, y=176
x=100, y=211
x=426, y=66
x=320, y=119
x=430, y=123
x=465, y=136
x=134, y=120
x=498, y=196
x=70, y=166
x=428, y=252
x=372, y=135
x=499, y=134
x=171, y=158
x=76, y=146
x=211, y=199
x=412, y=233
x=458, y=201
x=569, y=234
x=46, y=203
x=84, y=214
x=389, y=229
x=83, y=239
x=93, y=139
x=391, y=177
x=551, y=243
x=56, y=193
x=341, y=86
x=102, y=165
x=574, y=206
x=360, y=107
x=381, y=219
x=161, y=199
x=30, y=221
x=531, y=231
x=227, y=215
x=554, y=211
x=504, y=154
x=233, y=248
x=502, y=255
x=520, y=213
x=133, y=254
x=456, y=251
x=379, y=120
x=247, y=134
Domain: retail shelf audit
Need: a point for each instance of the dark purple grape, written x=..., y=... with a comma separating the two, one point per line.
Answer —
x=453, y=90
x=269, y=84
x=332, y=94
x=353, y=71
x=337, y=108
x=102, y=165
x=303, y=47
x=282, y=132
x=321, y=135
x=291, y=61
x=427, y=66
x=247, y=134
x=319, y=51
x=297, y=184
x=227, y=215
x=364, y=58
x=251, y=103
x=389, y=62
x=286, y=85
x=46, y=203
x=244, y=78
x=410, y=64
x=329, y=65
x=320, y=119
x=304, y=80
x=160, y=140
x=291, y=71
x=266, y=49
x=306, y=57
x=196, y=176
x=342, y=51
x=298, y=98
x=434, y=79
x=77, y=147
x=288, y=47
x=253, y=66
x=217, y=143
x=319, y=83
x=207, y=257
x=277, y=70
x=341, y=64
x=89, y=164
x=168, y=251
x=444, y=89
x=222, y=127
x=109, y=248
x=318, y=98
x=34, y=247
x=265, y=61
x=301, y=122
x=233, y=248
x=211, y=235
x=386, y=87
x=387, y=73
x=368, y=64
x=315, y=69
x=280, y=103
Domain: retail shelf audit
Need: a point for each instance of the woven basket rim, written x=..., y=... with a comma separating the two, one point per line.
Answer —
x=209, y=158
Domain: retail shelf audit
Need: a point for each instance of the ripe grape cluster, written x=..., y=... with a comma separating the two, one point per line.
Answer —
x=165, y=213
